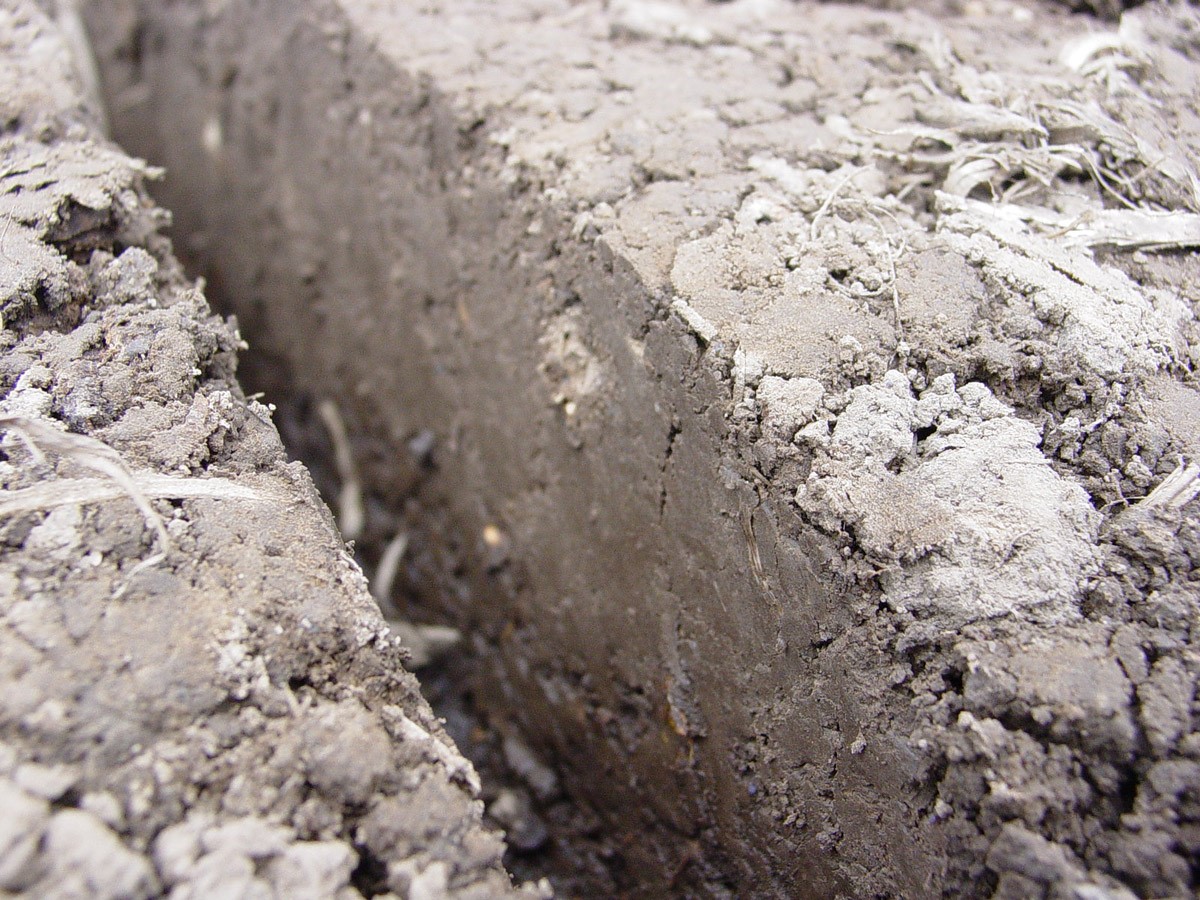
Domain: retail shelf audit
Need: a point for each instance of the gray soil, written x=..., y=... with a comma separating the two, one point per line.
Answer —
x=199, y=695
x=792, y=405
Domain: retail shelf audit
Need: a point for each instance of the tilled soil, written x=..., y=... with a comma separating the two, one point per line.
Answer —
x=793, y=405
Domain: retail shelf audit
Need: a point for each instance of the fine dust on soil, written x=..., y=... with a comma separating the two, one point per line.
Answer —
x=199, y=697
x=794, y=406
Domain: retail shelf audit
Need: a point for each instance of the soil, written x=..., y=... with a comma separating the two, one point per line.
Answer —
x=199, y=696
x=792, y=406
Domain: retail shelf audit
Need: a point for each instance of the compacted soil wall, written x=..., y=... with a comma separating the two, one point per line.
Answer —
x=198, y=696
x=792, y=404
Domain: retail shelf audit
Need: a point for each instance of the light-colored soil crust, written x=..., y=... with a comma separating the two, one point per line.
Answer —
x=197, y=695
x=794, y=404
